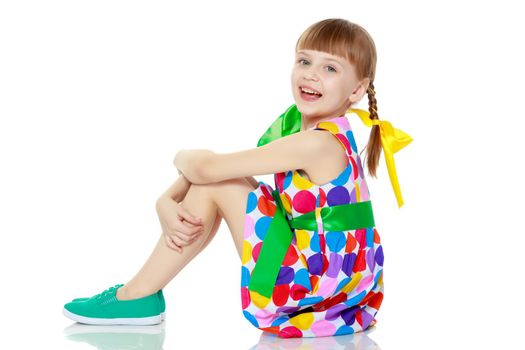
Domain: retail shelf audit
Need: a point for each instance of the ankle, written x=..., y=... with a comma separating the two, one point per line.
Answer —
x=127, y=293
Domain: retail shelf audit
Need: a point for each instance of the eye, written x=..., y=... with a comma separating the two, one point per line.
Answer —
x=302, y=59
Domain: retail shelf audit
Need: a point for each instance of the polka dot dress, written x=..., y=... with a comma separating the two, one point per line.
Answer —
x=330, y=282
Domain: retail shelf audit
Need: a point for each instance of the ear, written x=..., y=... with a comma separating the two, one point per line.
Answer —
x=360, y=90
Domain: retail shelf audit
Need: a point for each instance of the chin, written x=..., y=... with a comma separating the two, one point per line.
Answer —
x=306, y=109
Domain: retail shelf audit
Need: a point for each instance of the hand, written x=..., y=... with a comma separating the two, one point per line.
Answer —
x=180, y=228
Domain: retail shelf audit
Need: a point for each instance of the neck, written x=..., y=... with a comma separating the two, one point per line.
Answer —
x=308, y=122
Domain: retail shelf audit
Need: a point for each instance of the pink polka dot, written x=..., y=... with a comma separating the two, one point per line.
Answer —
x=265, y=318
x=365, y=194
x=364, y=283
x=327, y=287
x=304, y=202
x=249, y=226
x=323, y=328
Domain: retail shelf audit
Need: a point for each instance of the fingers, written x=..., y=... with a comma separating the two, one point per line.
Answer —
x=171, y=244
x=183, y=240
x=184, y=230
x=188, y=231
x=183, y=212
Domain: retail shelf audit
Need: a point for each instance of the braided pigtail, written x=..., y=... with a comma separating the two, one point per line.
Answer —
x=374, y=147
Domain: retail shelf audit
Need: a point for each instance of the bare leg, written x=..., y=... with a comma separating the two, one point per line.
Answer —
x=211, y=202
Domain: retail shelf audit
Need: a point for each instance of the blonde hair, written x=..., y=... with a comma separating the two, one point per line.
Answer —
x=343, y=38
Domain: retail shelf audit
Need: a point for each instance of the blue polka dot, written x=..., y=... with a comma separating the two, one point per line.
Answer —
x=251, y=202
x=245, y=276
x=250, y=318
x=261, y=226
x=310, y=301
x=370, y=237
x=353, y=301
x=314, y=242
x=376, y=278
x=344, y=330
x=341, y=284
x=335, y=240
x=279, y=320
x=350, y=137
x=287, y=179
x=301, y=277
x=342, y=179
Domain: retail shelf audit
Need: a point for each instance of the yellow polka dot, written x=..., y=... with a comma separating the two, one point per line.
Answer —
x=246, y=252
x=259, y=300
x=303, y=260
x=357, y=192
x=303, y=321
x=286, y=203
x=329, y=126
x=303, y=239
x=353, y=283
x=300, y=182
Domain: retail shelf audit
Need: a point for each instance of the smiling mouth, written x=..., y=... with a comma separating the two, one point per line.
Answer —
x=308, y=92
x=307, y=96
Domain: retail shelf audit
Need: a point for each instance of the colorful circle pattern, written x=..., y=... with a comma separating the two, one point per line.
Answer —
x=329, y=283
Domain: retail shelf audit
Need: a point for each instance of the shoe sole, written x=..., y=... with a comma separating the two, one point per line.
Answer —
x=140, y=321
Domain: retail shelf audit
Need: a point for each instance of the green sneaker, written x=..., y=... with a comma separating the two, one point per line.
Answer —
x=161, y=300
x=105, y=309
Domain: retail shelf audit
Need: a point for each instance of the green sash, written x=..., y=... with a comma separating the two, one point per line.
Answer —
x=279, y=235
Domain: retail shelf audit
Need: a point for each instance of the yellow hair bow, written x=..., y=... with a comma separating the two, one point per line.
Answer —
x=392, y=140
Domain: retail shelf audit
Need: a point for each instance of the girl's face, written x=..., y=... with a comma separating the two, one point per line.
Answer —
x=331, y=76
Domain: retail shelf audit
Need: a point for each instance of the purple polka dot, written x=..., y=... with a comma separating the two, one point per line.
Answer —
x=337, y=196
x=315, y=264
x=366, y=319
x=353, y=196
x=336, y=261
x=348, y=263
x=288, y=309
x=286, y=275
x=370, y=259
x=379, y=256
x=335, y=311
x=348, y=315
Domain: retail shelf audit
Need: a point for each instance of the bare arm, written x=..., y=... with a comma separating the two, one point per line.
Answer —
x=252, y=181
x=296, y=151
x=177, y=191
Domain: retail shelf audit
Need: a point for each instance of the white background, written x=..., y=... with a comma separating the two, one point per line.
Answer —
x=96, y=98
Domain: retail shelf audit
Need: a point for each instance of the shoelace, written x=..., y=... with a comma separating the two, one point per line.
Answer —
x=107, y=291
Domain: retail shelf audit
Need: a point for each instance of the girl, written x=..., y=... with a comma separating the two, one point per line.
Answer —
x=311, y=256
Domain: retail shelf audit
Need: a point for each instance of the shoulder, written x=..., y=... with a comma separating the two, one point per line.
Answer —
x=306, y=143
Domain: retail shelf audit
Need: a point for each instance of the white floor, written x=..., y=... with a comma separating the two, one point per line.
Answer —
x=404, y=322
x=97, y=97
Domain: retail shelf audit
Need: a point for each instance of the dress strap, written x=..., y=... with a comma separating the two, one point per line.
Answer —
x=392, y=140
x=337, y=130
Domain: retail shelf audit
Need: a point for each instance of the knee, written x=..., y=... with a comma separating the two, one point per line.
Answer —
x=218, y=188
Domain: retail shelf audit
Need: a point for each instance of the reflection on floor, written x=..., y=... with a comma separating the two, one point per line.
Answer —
x=118, y=337
x=152, y=338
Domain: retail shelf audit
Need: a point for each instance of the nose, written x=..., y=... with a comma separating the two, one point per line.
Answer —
x=310, y=73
